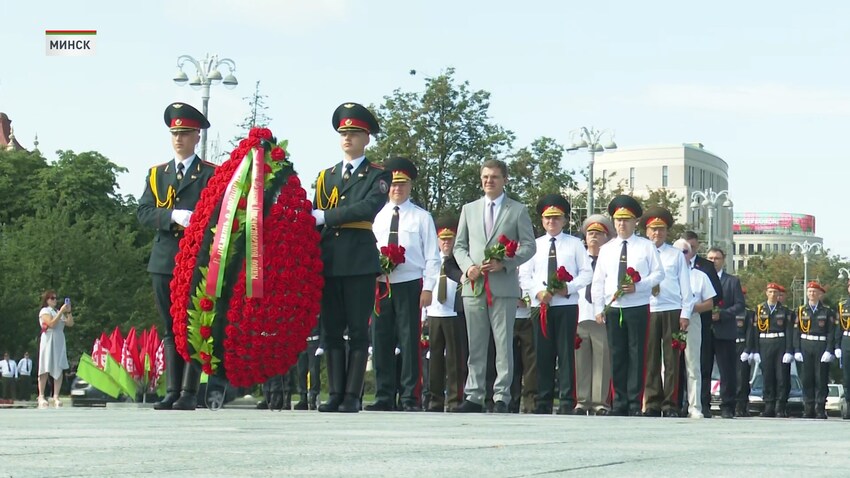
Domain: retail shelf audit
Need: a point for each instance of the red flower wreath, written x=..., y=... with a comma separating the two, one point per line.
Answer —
x=250, y=335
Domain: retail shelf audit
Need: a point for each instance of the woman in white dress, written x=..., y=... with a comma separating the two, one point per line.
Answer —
x=52, y=354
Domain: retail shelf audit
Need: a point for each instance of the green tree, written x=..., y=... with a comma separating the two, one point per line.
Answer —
x=669, y=200
x=257, y=116
x=787, y=270
x=536, y=171
x=19, y=178
x=446, y=131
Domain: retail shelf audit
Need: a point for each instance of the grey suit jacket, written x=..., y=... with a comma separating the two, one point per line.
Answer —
x=514, y=222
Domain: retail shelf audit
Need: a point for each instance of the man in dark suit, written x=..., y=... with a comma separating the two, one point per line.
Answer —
x=172, y=190
x=348, y=197
x=723, y=334
x=706, y=359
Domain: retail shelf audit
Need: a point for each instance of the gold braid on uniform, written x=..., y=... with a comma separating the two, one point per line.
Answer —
x=764, y=325
x=805, y=321
x=845, y=322
x=170, y=193
x=323, y=199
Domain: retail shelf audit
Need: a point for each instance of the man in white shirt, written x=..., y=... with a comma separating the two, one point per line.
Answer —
x=628, y=315
x=405, y=292
x=8, y=369
x=24, y=377
x=593, y=358
x=555, y=249
x=670, y=308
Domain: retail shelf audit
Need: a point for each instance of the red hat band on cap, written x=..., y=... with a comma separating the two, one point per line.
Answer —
x=185, y=123
x=353, y=123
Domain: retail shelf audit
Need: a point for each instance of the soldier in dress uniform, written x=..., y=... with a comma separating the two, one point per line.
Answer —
x=172, y=189
x=773, y=324
x=348, y=197
x=309, y=373
x=404, y=292
x=786, y=364
x=744, y=347
x=555, y=344
x=842, y=348
x=814, y=339
x=628, y=316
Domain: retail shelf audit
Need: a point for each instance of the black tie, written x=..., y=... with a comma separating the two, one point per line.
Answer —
x=441, y=288
x=347, y=174
x=393, y=239
x=587, y=295
x=553, y=257
x=180, y=169
x=621, y=272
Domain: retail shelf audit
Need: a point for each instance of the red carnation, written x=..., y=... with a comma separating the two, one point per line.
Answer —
x=206, y=304
x=578, y=342
x=278, y=154
x=564, y=275
x=206, y=331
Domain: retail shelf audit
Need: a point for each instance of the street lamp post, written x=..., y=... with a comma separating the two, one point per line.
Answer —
x=709, y=199
x=844, y=273
x=806, y=247
x=591, y=139
x=206, y=75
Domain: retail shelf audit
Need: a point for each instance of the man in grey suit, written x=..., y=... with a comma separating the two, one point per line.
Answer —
x=481, y=224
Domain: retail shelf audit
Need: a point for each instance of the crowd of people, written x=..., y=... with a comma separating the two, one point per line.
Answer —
x=615, y=323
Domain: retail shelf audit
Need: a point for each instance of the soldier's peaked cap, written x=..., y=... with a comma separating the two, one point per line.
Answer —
x=354, y=117
x=184, y=117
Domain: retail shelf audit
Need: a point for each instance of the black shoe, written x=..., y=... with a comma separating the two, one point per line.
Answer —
x=350, y=404
x=579, y=411
x=301, y=405
x=411, y=407
x=469, y=407
x=500, y=407
x=379, y=406
x=262, y=405
x=167, y=401
x=332, y=405
x=727, y=413
x=311, y=403
x=276, y=401
x=618, y=413
x=652, y=412
x=187, y=401
x=670, y=413
x=781, y=413
x=768, y=413
x=543, y=409
x=436, y=409
x=821, y=413
x=601, y=412
x=706, y=413
x=564, y=409
x=635, y=413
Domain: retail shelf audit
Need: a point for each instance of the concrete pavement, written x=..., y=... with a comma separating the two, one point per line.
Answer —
x=71, y=442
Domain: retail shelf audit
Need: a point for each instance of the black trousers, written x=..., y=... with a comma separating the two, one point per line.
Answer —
x=557, y=347
x=845, y=365
x=397, y=324
x=162, y=298
x=772, y=370
x=309, y=364
x=346, y=307
x=724, y=352
x=742, y=398
x=627, y=342
x=814, y=373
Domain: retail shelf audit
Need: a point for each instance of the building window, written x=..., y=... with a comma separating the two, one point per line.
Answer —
x=740, y=265
x=750, y=249
x=711, y=180
x=631, y=178
x=776, y=248
x=701, y=179
x=741, y=249
x=758, y=248
x=663, y=176
x=783, y=247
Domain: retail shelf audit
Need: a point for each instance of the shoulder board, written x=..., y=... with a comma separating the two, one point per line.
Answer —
x=162, y=165
x=207, y=163
x=376, y=166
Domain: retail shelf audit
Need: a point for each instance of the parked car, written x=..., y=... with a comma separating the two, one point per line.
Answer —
x=835, y=399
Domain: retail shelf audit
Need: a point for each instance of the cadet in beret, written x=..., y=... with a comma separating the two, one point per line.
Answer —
x=405, y=292
x=670, y=307
x=555, y=249
x=348, y=197
x=842, y=347
x=773, y=347
x=628, y=315
x=814, y=339
x=593, y=359
x=171, y=191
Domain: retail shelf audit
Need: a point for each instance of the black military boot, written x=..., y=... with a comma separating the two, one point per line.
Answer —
x=781, y=410
x=311, y=402
x=189, y=390
x=820, y=411
x=336, y=380
x=173, y=374
x=287, y=401
x=809, y=410
x=354, y=385
x=769, y=409
x=302, y=402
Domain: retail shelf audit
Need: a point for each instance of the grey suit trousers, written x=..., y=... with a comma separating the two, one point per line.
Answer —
x=480, y=320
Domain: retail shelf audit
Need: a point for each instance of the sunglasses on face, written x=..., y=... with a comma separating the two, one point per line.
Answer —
x=52, y=297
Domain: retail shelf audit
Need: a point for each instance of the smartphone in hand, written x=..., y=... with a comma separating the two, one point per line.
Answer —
x=67, y=301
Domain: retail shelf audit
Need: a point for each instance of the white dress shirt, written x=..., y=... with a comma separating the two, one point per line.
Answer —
x=675, y=290
x=418, y=235
x=25, y=367
x=496, y=208
x=642, y=256
x=701, y=288
x=8, y=368
x=447, y=308
x=187, y=163
x=571, y=254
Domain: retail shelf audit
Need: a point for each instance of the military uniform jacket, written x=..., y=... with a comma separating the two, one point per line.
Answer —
x=819, y=323
x=842, y=324
x=347, y=241
x=162, y=195
x=781, y=320
x=744, y=329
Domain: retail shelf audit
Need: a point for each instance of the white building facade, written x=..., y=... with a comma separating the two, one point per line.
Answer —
x=759, y=233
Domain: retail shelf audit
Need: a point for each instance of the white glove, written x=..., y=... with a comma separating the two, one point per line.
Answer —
x=755, y=358
x=397, y=351
x=838, y=353
x=181, y=216
x=744, y=356
x=787, y=358
x=319, y=215
x=320, y=351
x=826, y=357
x=798, y=357
x=370, y=350
x=428, y=355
